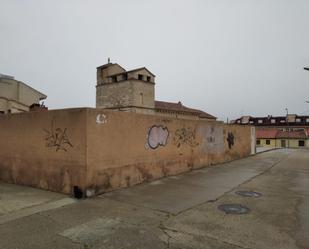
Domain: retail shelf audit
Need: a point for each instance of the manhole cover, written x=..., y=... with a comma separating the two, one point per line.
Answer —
x=234, y=209
x=248, y=193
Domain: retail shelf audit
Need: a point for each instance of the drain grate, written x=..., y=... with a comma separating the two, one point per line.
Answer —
x=234, y=209
x=248, y=193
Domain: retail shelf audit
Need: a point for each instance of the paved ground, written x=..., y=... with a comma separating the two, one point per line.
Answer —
x=175, y=212
x=263, y=149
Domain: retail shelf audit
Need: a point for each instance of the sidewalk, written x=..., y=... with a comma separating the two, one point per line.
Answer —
x=174, y=212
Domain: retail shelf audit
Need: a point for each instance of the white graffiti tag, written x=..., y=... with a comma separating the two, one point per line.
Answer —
x=101, y=119
x=157, y=136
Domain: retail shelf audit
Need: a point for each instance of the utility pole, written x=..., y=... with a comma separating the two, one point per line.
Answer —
x=287, y=122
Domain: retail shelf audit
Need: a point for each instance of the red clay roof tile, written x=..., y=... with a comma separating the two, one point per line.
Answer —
x=179, y=107
x=266, y=133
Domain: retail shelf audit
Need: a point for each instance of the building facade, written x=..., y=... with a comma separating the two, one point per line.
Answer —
x=290, y=131
x=134, y=91
x=16, y=96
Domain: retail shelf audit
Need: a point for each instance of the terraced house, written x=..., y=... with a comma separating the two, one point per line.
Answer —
x=290, y=131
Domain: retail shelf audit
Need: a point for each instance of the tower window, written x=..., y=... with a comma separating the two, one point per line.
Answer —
x=140, y=77
x=148, y=78
x=142, y=98
x=114, y=78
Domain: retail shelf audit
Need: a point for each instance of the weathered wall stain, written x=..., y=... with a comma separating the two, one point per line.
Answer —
x=57, y=138
x=157, y=136
x=213, y=138
x=210, y=136
x=185, y=136
x=230, y=139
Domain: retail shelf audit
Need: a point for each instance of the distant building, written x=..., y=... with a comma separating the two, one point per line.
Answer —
x=134, y=91
x=281, y=131
x=16, y=96
x=278, y=121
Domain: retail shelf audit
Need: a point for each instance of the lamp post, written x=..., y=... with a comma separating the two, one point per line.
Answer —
x=287, y=122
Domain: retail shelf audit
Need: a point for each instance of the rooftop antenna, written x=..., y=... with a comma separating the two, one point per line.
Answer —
x=109, y=60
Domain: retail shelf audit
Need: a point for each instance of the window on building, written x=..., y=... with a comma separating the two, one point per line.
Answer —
x=125, y=76
x=301, y=143
x=142, y=98
x=267, y=141
x=283, y=144
x=298, y=129
x=260, y=121
x=307, y=120
x=273, y=121
x=148, y=78
x=114, y=78
x=298, y=120
x=282, y=121
x=140, y=77
x=258, y=142
x=238, y=121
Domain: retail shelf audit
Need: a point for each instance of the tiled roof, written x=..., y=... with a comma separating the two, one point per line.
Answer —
x=291, y=134
x=274, y=133
x=141, y=68
x=179, y=107
x=266, y=133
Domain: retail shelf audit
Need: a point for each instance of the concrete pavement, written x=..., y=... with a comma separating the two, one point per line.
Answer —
x=175, y=212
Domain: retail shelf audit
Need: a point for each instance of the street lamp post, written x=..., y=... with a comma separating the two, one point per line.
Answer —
x=287, y=122
x=306, y=68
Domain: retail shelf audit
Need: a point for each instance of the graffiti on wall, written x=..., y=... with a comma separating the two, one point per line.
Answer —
x=57, y=138
x=230, y=139
x=101, y=119
x=157, y=136
x=185, y=136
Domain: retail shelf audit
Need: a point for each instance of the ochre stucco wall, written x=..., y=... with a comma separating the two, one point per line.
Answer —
x=44, y=149
x=124, y=149
x=99, y=150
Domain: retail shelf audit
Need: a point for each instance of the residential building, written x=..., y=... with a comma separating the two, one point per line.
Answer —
x=279, y=131
x=134, y=91
x=266, y=137
x=16, y=96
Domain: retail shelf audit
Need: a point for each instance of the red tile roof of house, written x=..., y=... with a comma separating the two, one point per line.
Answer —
x=274, y=133
x=291, y=134
x=179, y=107
x=266, y=133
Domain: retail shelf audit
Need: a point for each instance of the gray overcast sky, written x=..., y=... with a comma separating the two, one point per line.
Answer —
x=227, y=57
